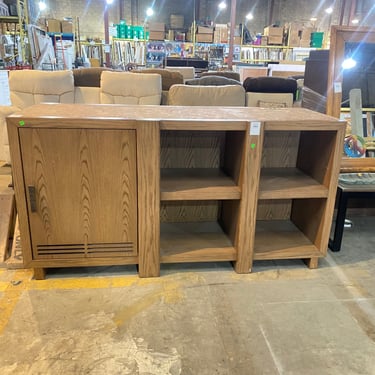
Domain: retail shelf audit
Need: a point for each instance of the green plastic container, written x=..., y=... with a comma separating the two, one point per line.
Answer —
x=316, y=39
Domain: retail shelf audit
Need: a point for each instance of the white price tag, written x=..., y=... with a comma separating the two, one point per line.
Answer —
x=4, y=88
x=337, y=87
x=255, y=128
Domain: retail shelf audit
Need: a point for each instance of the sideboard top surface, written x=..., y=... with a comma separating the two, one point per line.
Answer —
x=168, y=114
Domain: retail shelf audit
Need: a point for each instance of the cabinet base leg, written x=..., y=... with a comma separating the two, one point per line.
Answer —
x=312, y=263
x=154, y=272
x=39, y=273
x=240, y=268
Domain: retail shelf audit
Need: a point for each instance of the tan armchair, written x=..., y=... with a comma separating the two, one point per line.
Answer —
x=230, y=95
x=28, y=87
x=130, y=88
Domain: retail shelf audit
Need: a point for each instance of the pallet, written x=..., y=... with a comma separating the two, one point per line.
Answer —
x=7, y=221
x=15, y=259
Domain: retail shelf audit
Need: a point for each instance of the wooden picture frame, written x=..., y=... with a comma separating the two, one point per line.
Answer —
x=339, y=36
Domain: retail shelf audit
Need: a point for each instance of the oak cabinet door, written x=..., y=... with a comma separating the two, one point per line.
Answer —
x=81, y=192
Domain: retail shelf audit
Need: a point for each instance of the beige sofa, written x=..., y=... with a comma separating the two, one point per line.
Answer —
x=105, y=86
x=230, y=95
x=28, y=87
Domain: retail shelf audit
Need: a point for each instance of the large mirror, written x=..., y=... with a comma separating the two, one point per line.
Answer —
x=345, y=42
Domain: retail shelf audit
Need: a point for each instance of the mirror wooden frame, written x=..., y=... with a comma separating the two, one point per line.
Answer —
x=339, y=36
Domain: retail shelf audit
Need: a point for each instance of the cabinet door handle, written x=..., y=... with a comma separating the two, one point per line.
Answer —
x=32, y=197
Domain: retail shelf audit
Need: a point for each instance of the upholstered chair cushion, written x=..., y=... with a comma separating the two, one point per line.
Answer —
x=168, y=77
x=130, y=88
x=28, y=87
x=271, y=85
x=88, y=77
x=230, y=95
x=225, y=73
x=188, y=72
x=212, y=81
x=269, y=100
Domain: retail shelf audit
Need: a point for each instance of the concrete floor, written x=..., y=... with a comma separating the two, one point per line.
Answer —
x=196, y=318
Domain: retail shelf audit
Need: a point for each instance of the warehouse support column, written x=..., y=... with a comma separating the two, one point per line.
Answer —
x=270, y=11
x=231, y=36
x=107, y=49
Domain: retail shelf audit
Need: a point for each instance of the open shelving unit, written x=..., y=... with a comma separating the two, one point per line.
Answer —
x=295, y=193
x=201, y=193
x=209, y=184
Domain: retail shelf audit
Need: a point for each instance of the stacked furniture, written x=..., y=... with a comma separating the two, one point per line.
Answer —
x=29, y=87
x=151, y=87
x=146, y=185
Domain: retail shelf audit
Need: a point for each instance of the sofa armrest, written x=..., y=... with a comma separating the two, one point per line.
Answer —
x=5, y=111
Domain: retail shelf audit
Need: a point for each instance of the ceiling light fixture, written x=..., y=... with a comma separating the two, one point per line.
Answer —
x=222, y=5
x=249, y=16
x=149, y=12
x=42, y=5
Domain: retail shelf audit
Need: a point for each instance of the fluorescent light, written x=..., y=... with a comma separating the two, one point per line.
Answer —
x=329, y=10
x=149, y=12
x=355, y=21
x=249, y=16
x=42, y=5
x=313, y=19
x=222, y=5
x=109, y=2
x=349, y=63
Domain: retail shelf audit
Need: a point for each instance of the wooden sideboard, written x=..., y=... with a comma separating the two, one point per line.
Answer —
x=109, y=185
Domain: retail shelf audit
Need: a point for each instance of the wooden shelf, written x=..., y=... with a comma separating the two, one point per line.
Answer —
x=289, y=183
x=194, y=242
x=281, y=239
x=197, y=184
x=9, y=19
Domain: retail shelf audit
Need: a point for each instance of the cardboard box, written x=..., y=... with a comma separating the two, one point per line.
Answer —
x=252, y=72
x=176, y=21
x=264, y=40
x=306, y=33
x=94, y=62
x=274, y=31
x=221, y=35
x=294, y=38
x=157, y=35
x=275, y=40
x=204, y=38
x=295, y=27
x=53, y=26
x=237, y=40
x=67, y=27
x=205, y=30
x=156, y=26
x=304, y=43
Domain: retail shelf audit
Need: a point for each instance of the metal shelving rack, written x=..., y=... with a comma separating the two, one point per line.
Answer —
x=20, y=21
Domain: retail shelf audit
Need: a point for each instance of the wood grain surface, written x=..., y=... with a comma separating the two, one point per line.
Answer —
x=86, y=197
